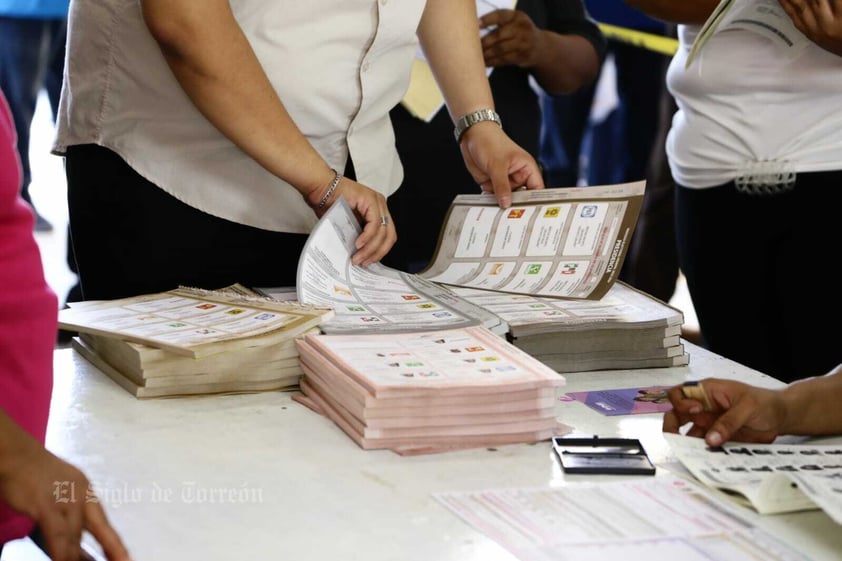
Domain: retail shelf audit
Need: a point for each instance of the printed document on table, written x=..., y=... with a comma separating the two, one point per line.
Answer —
x=659, y=518
x=762, y=475
x=191, y=321
x=374, y=298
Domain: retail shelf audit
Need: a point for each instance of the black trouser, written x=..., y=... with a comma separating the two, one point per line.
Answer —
x=652, y=260
x=761, y=272
x=131, y=237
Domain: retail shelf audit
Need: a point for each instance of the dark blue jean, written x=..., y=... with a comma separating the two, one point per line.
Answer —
x=618, y=149
x=31, y=59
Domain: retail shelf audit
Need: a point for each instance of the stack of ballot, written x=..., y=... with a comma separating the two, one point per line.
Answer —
x=625, y=329
x=147, y=371
x=429, y=391
x=189, y=341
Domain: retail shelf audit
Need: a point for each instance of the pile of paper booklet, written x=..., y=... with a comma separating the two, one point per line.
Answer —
x=624, y=329
x=189, y=341
x=429, y=391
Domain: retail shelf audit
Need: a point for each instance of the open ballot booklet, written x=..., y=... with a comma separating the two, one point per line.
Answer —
x=562, y=243
x=193, y=322
x=771, y=478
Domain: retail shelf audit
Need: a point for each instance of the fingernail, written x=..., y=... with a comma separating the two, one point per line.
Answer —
x=695, y=409
x=714, y=438
x=505, y=202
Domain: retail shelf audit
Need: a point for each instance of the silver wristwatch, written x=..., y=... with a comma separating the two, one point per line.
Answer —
x=467, y=121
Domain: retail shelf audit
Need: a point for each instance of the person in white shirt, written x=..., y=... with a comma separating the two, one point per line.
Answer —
x=203, y=138
x=755, y=150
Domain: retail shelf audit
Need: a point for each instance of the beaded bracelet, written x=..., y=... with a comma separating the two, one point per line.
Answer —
x=331, y=188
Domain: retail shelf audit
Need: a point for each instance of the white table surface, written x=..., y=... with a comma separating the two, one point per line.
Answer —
x=259, y=476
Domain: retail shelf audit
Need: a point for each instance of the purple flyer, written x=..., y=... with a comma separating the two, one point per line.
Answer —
x=625, y=401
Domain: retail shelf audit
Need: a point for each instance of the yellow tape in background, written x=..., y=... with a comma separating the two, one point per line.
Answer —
x=650, y=41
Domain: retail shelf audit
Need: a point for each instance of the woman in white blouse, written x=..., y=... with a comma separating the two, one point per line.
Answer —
x=204, y=138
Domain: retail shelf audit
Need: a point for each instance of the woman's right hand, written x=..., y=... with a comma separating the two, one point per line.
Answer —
x=378, y=235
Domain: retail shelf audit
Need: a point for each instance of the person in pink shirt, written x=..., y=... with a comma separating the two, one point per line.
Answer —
x=28, y=323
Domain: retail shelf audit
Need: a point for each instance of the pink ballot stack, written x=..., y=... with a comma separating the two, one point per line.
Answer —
x=429, y=391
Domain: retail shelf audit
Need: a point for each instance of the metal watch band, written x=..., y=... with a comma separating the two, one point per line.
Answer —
x=467, y=121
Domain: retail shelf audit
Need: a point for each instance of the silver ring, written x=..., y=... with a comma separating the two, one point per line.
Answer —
x=384, y=220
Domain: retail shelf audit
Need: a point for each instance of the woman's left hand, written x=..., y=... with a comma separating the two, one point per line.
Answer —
x=497, y=164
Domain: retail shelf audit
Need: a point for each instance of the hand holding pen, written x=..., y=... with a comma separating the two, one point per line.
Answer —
x=722, y=410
